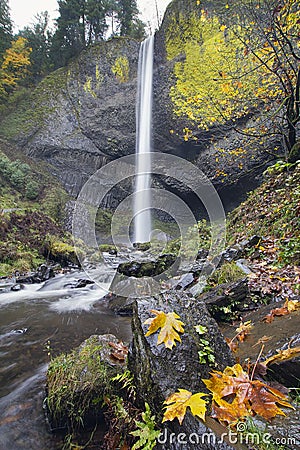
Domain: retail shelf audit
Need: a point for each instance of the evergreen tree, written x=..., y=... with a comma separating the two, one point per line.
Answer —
x=69, y=37
x=130, y=24
x=127, y=13
x=39, y=39
x=5, y=27
x=82, y=22
x=96, y=14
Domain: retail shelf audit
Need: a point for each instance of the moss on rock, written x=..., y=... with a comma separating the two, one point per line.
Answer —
x=77, y=383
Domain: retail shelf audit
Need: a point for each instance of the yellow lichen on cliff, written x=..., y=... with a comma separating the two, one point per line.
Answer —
x=121, y=69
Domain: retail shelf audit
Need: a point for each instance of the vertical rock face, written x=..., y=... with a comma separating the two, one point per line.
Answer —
x=83, y=116
x=159, y=372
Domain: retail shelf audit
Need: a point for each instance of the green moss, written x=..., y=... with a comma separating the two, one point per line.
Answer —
x=5, y=270
x=107, y=248
x=36, y=107
x=78, y=381
x=271, y=211
x=61, y=251
x=229, y=272
x=121, y=69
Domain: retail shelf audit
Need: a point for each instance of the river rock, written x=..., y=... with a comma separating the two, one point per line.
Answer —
x=159, y=372
x=234, y=297
x=42, y=274
x=17, y=287
x=147, y=269
x=79, y=381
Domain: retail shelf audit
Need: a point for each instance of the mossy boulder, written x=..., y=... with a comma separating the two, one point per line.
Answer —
x=148, y=268
x=77, y=383
x=159, y=372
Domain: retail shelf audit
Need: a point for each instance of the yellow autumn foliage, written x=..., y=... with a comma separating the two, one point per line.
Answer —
x=14, y=67
x=215, y=80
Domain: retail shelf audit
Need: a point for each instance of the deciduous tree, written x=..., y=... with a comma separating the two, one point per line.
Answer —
x=16, y=61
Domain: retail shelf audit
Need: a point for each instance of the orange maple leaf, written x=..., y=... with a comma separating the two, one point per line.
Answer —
x=236, y=396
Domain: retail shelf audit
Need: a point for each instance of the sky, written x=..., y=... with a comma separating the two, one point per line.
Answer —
x=24, y=11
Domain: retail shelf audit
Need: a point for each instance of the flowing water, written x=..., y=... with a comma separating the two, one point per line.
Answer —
x=142, y=198
x=55, y=312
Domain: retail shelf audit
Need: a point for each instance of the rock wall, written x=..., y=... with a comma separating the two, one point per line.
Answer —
x=83, y=116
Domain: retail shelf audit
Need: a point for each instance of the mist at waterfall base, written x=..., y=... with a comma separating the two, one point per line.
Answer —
x=142, y=196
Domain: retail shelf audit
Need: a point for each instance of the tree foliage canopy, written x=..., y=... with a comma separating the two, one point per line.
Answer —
x=236, y=59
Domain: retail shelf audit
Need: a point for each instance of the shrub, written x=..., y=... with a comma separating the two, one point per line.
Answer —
x=31, y=189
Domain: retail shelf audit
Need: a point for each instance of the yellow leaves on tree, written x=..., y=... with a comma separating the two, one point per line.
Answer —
x=170, y=327
x=178, y=403
x=16, y=60
x=236, y=395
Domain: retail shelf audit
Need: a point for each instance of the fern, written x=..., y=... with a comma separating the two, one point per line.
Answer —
x=145, y=431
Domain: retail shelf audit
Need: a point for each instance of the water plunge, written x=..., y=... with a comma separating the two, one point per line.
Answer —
x=142, y=195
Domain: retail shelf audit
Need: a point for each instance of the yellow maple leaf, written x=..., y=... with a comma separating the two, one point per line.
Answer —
x=177, y=404
x=170, y=327
x=283, y=355
x=292, y=305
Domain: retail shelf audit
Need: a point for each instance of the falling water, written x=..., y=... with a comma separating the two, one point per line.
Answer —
x=142, y=197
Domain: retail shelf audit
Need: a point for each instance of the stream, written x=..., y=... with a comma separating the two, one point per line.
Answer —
x=52, y=311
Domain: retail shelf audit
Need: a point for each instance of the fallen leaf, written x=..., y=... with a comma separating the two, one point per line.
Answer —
x=262, y=340
x=177, y=404
x=235, y=396
x=283, y=355
x=292, y=305
x=243, y=330
x=170, y=327
x=275, y=312
x=121, y=350
x=233, y=345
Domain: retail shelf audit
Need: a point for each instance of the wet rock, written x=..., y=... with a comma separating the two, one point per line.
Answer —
x=142, y=246
x=17, y=287
x=232, y=296
x=120, y=305
x=286, y=371
x=184, y=282
x=231, y=254
x=202, y=254
x=77, y=284
x=148, y=268
x=6, y=285
x=283, y=429
x=77, y=383
x=282, y=333
x=251, y=242
x=42, y=274
x=158, y=371
x=243, y=265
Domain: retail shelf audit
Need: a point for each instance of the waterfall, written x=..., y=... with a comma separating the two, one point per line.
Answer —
x=142, y=195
